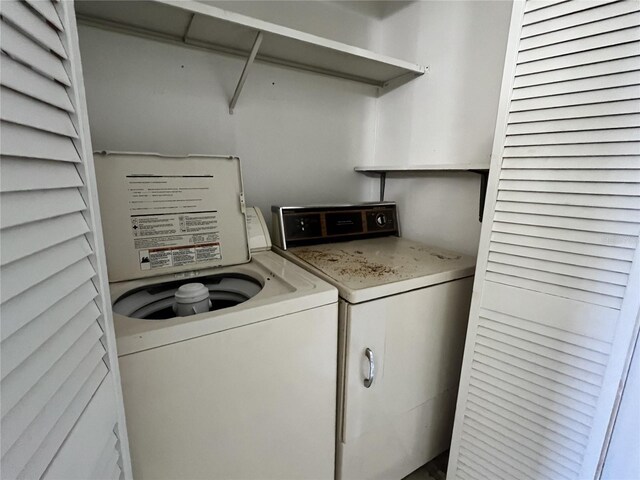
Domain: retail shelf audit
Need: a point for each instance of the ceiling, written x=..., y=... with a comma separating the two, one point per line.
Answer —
x=374, y=8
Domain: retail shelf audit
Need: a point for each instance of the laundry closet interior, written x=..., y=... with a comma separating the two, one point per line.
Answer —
x=320, y=239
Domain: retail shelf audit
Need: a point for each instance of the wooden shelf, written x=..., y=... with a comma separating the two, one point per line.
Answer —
x=205, y=26
x=382, y=170
x=468, y=167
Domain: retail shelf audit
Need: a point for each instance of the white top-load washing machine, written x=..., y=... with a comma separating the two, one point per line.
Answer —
x=402, y=324
x=227, y=356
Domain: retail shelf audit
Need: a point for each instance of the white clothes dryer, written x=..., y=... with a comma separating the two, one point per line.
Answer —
x=227, y=355
x=402, y=323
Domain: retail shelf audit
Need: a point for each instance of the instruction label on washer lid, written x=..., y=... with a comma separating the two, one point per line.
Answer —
x=170, y=223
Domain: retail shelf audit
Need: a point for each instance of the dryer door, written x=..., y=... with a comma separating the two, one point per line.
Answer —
x=413, y=343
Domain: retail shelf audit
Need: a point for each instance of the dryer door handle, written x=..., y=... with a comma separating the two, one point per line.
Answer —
x=372, y=368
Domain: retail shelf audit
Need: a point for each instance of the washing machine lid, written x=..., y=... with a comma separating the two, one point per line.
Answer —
x=165, y=214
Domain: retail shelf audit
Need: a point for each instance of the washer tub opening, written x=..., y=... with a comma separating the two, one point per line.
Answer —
x=155, y=302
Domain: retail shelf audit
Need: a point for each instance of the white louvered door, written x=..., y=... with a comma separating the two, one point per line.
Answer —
x=557, y=290
x=61, y=404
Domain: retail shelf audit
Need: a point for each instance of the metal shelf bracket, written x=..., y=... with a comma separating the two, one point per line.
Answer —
x=383, y=181
x=484, y=178
x=245, y=71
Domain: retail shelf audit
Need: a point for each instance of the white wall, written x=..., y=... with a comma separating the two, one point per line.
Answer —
x=448, y=116
x=298, y=134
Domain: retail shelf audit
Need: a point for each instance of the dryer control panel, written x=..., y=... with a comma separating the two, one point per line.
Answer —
x=295, y=226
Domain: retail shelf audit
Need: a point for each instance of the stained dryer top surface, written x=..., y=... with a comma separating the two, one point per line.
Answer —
x=373, y=268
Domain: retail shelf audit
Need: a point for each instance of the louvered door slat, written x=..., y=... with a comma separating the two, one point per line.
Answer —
x=554, y=450
x=568, y=163
x=605, y=54
x=34, y=237
x=105, y=459
x=574, y=45
x=530, y=403
x=571, y=247
x=538, y=4
x=503, y=412
x=23, y=110
x=555, y=303
x=19, y=208
x=46, y=263
x=516, y=456
x=583, y=224
x=581, y=285
x=562, y=256
x=495, y=346
x=18, y=175
x=25, y=80
x=86, y=353
x=111, y=470
x=627, y=203
x=595, y=213
x=465, y=473
x=92, y=443
x=32, y=25
x=561, y=10
x=496, y=359
x=593, y=136
x=30, y=53
x=529, y=418
x=551, y=284
x=588, y=15
x=571, y=398
x=23, y=378
x=598, y=188
x=623, y=241
x=114, y=473
x=578, y=337
x=626, y=64
x=46, y=451
x=581, y=31
x=539, y=396
x=32, y=336
x=532, y=452
x=47, y=11
x=578, y=150
x=579, y=98
x=18, y=141
x=481, y=446
x=480, y=466
x=575, y=111
x=600, y=82
x=20, y=310
x=57, y=343
x=552, y=352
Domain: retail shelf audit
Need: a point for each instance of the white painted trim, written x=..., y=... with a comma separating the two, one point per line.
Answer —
x=511, y=55
x=92, y=216
x=616, y=375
